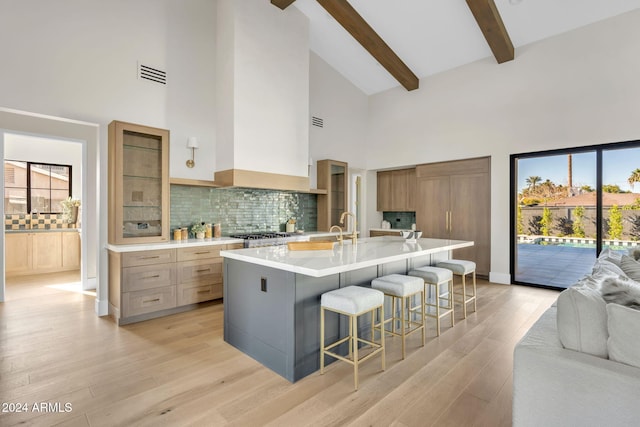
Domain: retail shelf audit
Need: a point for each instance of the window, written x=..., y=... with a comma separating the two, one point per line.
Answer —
x=35, y=187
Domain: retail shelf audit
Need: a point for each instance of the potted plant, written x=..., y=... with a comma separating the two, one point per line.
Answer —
x=198, y=230
x=70, y=210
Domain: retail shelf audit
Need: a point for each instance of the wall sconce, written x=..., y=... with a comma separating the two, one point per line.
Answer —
x=192, y=142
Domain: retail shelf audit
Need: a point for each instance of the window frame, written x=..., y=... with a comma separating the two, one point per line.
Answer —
x=29, y=187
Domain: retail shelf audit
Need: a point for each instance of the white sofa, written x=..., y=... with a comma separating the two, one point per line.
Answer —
x=582, y=368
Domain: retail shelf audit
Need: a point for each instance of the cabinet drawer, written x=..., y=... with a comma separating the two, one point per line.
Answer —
x=235, y=246
x=199, y=252
x=148, y=277
x=191, y=294
x=148, y=300
x=204, y=271
x=160, y=256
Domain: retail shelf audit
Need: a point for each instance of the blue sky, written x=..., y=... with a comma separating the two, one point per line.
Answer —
x=617, y=166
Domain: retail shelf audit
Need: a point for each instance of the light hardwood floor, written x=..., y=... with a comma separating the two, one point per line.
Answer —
x=178, y=371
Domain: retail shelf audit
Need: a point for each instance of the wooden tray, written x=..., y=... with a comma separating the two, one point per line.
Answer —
x=316, y=245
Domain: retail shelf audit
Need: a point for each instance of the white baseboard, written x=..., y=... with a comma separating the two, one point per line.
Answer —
x=102, y=307
x=89, y=283
x=500, y=278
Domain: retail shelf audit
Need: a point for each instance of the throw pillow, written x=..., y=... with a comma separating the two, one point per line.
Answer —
x=611, y=256
x=604, y=266
x=635, y=253
x=582, y=321
x=624, y=330
x=631, y=267
x=621, y=290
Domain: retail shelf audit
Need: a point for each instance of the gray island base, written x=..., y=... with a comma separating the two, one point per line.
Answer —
x=272, y=295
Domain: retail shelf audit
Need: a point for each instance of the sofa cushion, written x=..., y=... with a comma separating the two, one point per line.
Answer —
x=621, y=290
x=631, y=267
x=605, y=266
x=624, y=330
x=611, y=256
x=582, y=320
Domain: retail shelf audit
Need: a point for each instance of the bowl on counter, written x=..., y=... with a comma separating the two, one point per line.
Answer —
x=411, y=235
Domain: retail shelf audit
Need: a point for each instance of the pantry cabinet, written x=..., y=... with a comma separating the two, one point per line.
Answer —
x=454, y=202
x=138, y=184
x=396, y=190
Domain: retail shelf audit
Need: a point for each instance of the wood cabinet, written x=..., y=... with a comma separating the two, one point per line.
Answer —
x=397, y=190
x=138, y=184
x=378, y=233
x=42, y=252
x=154, y=283
x=333, y=177
x=455, y=203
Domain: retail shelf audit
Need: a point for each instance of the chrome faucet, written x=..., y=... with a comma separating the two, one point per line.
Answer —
x=354, y=233
x=340, y=230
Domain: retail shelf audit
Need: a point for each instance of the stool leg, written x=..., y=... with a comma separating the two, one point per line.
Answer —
x=321, y=340
x=464, y=297
x=424, y=324
x=437, y=286
x=451, y=302
x=475, y=294
x=354, y=342
x=402, y=327
x=382, y=339
x=350, y=335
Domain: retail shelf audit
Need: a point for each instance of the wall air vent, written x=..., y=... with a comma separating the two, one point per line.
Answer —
x=317, y=121
x=152, y=74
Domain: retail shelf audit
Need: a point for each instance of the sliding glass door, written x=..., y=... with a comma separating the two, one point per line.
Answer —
x=567, y=205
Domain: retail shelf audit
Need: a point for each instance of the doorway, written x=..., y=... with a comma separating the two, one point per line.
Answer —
x=42, y=179
x=567, y=206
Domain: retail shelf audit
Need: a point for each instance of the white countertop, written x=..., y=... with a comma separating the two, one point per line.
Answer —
x=368, y=252
x=173, y=244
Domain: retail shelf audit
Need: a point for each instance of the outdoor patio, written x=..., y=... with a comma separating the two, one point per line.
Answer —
x=550, y=265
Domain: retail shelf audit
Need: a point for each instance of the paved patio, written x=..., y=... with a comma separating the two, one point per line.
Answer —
x=558, y=266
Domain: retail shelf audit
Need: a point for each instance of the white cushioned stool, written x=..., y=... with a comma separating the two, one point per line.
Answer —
x=352, y=301
x=461, y=267
x=402, y=289
x=436, y=277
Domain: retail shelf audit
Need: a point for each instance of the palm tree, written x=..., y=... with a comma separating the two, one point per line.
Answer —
x=635, y=177
x=532, y=181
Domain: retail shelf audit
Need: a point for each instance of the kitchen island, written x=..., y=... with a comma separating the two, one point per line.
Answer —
x=272, y=294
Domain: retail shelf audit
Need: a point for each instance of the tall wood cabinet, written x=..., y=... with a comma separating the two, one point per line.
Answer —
x=397, y=190
x=138, y=184
x=333, y=177
x=455, y=203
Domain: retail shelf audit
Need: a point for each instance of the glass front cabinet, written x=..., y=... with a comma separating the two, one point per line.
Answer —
x=138, y=184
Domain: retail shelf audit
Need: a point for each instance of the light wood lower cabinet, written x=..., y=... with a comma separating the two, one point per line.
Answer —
x=148, y=284
x=42, y=252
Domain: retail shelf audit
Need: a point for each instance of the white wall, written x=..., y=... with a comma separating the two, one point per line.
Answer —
x=35, y=149
x=579, y=88
x=264, y=55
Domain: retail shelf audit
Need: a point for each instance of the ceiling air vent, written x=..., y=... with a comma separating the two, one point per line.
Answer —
x=317, y=121
x=146, y=72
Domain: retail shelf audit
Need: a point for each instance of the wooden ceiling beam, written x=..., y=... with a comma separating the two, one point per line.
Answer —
x=282, y=4
x=351, y=20
x=488, y=18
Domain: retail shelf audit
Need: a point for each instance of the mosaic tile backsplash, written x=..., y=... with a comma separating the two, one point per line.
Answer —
x=242, y=210
x=400, y=219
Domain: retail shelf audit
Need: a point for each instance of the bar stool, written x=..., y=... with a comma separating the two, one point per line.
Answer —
x=352, y=301
x=461, y=267
x=436, y=277
x=402, y=289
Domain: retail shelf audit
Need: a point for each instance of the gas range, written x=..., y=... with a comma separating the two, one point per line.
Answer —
x=256, y=240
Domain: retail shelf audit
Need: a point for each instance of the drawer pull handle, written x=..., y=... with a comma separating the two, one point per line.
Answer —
x=152, y=300
x=203, y=292
x=202, y=253
x=150, y=257
x=152, y=277
x=202, y=270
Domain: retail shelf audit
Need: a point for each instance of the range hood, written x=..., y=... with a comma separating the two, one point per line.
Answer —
x=262, y=90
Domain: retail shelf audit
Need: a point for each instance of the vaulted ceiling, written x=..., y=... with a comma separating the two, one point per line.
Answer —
x=380, y=44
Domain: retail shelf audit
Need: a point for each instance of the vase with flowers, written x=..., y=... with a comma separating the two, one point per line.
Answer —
x=198, y=229
x=70, y=210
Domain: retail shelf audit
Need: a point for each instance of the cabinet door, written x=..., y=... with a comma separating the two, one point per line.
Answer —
x=333, y=177
x=471, y=218
x=47, y=251
x=384, y=191
x=17, y=252
x=434, y=198
x=70, y=250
